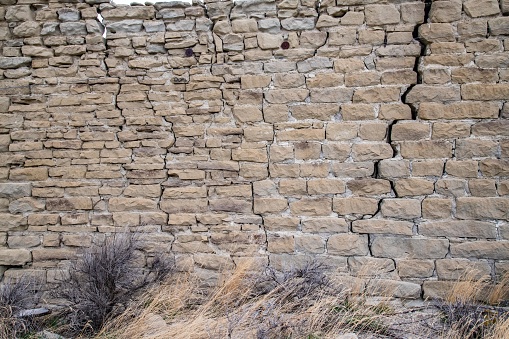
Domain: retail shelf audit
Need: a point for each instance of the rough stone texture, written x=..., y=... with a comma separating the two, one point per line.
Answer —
x=196, y=127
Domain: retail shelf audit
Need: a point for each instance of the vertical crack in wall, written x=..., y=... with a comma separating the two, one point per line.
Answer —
x=418, y=60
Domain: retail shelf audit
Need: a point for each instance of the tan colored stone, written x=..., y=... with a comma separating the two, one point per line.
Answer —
x=325, y=186
x=346, y=206
x=311, y=206
x=436, y=208
x=304, y=134
x=255, y=81
x=281, y=244
x=292, y=186
x=377, y=15
x=393, y=247
x=270, y=205
x=324, y=225
x=383, y=226
x=184, y=205
x=482, y=208
x=413, y=186
x=484, y=92
x=410, y=131
x=310, y=244
x=369, y=187
x=458, y=110
x=277, y=224
x=426, y=149
x=401, y=208
x=408, y=268
x=230, y=205
x=14, y=257
x=395, y=112
x=372, y=151
x=247, y=113
x=357, y=112
x=376, y=95
x=307, y=150
x=341, y=131
x=481, y=249
x=315, y=111
x=347, y=244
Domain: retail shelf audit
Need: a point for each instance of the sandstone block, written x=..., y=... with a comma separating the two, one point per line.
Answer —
x=336, y=151
x=445, y=11
x=426, y=149
x=494, y=167
x=131, y=204
x=410, y=131
x=357, y=112
x=395, y=112
x=394, y=168
x=14, y=257
x=324, y=225
x=281, y=244
x=377, y=15
x=315, y=111
x=423, y=93
x=281, y=96
x=383, y=226
x=69, y=204
x=395, y=247
x=331, y=94
x=277, y=224
x=472, y=148
x=341, y=131
x=10, y=221
x=482, y=208
x=14, y=190
x=481, y=249
x=252, y=155
x=436, y=208
x=408, y=268
x=413, y=186
x=353, y=170
x=412, y=12
x=230, y=205
x=456, y=228
x=369, y=187
x=376, y=94
x=346, y=206
x=310, y=244
x=458, y=110
x=312, y=206
x=397, y=289
x=184, y=205
x=484, y=92
x=499, y=26
x=401, y=208
x=347, y=244
x=244, y=25
x=302, y=134
x=481, y=8
x=29, y=174
x=436, y=32
x=292, y=186
x=325, y=186
x=448, y=130
x=270, y=205
x=363, y=152
x=247, y=113
x=461, y=269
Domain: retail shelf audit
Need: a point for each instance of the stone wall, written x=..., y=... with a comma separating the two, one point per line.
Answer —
x=365, y=133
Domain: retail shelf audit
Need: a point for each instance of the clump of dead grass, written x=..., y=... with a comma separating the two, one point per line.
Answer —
x=476, y=308
x=296, y=303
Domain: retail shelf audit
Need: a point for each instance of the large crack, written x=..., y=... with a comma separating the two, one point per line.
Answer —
x=418, y=60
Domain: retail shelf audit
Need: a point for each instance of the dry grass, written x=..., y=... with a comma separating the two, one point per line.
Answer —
x=475, y=308
x=299, y=303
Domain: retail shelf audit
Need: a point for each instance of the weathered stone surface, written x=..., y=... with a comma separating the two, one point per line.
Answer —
x=383, y=226
x=481, y=8
x=392, y=247
x=347, y=244
x=14, y=257
x=482, y=208
x=481, y=249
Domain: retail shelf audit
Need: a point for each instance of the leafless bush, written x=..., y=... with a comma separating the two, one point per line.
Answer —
x=102, y=281
x=15, y=296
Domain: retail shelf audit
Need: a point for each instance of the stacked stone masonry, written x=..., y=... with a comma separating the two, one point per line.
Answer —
x=363, y=133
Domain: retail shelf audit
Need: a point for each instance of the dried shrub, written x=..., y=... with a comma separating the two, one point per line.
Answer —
x=302, y=302
x=101, y=282
x=475, y=308
x=16, y=296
